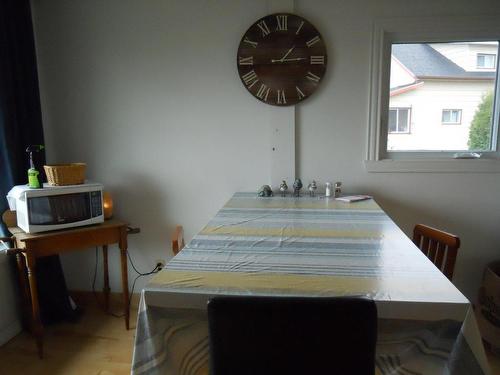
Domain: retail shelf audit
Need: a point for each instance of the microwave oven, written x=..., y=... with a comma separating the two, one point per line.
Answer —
x=56, y=207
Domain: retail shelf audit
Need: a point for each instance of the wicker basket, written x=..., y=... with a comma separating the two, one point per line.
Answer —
x=65, y=174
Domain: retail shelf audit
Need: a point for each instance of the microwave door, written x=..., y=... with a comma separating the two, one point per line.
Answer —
x=40, y=212
x=59, y=209
x=70, y=208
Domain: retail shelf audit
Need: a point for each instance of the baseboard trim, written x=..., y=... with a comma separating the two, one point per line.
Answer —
x=9, y=331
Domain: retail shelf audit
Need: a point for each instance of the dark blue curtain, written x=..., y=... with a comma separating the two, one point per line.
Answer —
x=20, y=126
x=20, y=113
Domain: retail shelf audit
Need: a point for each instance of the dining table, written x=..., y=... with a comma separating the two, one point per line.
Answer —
x=312, y=246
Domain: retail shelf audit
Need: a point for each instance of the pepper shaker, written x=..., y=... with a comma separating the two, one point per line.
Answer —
x=328, y=189
x=283, y=188
x=312, y=188
x=338, y=189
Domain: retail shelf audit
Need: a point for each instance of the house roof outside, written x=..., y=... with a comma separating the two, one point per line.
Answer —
x=405, y=88
x=425, y=62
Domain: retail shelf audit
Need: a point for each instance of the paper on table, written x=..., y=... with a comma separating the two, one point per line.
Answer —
x=353, y=198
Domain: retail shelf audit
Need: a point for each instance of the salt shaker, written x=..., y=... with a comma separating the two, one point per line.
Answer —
x=338, y=189
x=328, y=189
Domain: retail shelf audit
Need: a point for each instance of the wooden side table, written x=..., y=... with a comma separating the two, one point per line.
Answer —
x=37, y=245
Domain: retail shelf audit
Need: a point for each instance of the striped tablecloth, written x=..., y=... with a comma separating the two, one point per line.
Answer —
x=308, y=246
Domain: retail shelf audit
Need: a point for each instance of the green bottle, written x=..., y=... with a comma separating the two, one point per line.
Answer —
x=33, y=180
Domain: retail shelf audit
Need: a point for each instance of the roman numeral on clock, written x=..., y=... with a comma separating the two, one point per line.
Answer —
x=317, y=60
x=252, y=43
x=250, y=78
x=281, y=99
x=300, y=94
x=282, y=22
x=245, y=60
x=263, y=92
x=313, y=41
x=312, y=77
x=263, y=27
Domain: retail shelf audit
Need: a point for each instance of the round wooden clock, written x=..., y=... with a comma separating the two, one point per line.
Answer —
x=281, y=59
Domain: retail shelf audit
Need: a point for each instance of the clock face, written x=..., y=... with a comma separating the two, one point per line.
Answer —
x=281, y=59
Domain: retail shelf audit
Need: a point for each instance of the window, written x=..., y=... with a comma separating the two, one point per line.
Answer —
x=399, y=120
x=429, y=76
x=428, y=64
x=486, y=61
x=451, y=116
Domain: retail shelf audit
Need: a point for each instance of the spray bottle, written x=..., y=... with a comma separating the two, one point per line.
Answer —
x=33, y=180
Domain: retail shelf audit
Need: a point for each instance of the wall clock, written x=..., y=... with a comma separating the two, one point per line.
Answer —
x=281, y=59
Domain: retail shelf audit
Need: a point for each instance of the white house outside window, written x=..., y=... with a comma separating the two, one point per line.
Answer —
x=399, y=120
x=438, y=81
x=451, y=116
x=486, y=61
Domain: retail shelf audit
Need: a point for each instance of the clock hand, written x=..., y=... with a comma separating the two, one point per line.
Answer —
x=294, y=59
x=284, y=57
x=285, y=60
x=286, y=54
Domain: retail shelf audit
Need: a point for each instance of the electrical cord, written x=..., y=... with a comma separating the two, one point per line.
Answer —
x=139, y=275
x=138, y=272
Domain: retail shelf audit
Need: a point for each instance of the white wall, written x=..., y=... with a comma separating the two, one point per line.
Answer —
x=147, y=93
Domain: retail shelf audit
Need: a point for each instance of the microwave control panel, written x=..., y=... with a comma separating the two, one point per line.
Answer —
x=96, y=203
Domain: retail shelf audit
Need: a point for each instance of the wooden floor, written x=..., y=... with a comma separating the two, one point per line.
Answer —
x=97, y=344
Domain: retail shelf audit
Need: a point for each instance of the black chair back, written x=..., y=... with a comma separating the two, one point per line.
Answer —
x=292, y=335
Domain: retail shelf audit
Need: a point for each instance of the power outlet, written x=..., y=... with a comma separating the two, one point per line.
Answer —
x=160, y=263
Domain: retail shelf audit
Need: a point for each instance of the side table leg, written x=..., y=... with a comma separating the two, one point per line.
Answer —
x=123, y=255
x=106, y=288
x=37, y=323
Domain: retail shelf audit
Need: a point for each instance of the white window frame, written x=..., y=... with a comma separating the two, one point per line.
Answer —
x=408, y=122
x=486, y=67
x=422, y=30
x=459, y=122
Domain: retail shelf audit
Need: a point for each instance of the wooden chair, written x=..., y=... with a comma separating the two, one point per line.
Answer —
x=292, y=335
x=440, y=247
x=178, y=239
x=9, y=218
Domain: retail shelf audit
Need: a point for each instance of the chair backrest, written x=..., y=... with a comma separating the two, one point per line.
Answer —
x=177, y=239
x=292, y=335
x=440, y=247
x=9, y=218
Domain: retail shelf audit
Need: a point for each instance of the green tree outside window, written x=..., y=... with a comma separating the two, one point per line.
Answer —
x=480, y=128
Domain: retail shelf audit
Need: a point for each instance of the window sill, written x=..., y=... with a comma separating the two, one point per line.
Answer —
x=433, y=166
